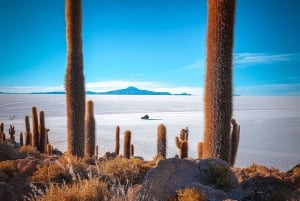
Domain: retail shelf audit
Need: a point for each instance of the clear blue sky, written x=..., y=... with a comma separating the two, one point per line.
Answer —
x=151, y=44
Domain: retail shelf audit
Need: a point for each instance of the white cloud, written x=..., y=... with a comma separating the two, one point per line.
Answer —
x=197, y=65
x=270, y=89
x=263, y=58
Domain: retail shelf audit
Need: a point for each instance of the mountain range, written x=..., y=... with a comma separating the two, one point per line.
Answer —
x=127, y=91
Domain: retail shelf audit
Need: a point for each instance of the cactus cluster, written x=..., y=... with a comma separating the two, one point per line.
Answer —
x=39, y=136
x=182, y=143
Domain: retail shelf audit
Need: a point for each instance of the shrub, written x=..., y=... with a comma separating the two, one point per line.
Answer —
x=7, y=167
x=29, y=151
x=51, y=173
x=189, y=194
x=218, y=176
x=85, y=190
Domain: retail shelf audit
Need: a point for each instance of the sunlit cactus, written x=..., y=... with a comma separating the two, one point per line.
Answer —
x=74, y=81
x=162, y=140
x=42, y=133
x=200, y=150
x=27, y=132
x=126, y=147
x=49, y=149
x=90, y=130
x=117, y=141
x=181, y=143
x=35, y=128
x=96, y=151
x=218, y=82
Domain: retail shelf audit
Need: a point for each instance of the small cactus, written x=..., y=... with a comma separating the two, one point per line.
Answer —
x=96, y=151
x=42, y=133
x=49, y=149
x=200, y=150
x=12, y=132
x=27, y=132
x=117, y=143
x=2, y=134
x=131, y=150
x=161, y=140
x=183, y=151
x=234, y=141
x=181, y=143
x=127, y=139
x=90, y=130
x=21, y=139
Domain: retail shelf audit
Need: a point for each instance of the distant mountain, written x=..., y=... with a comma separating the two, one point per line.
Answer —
x=134, y=91
x=128, y=91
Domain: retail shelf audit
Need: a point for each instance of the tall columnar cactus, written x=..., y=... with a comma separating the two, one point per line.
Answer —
x=234, y=139
x=12, y=132
x=2, y=134
x=117, y=142
x=162, y=140
x=126, y=147
x=49, y=149
x=74, y=81
x=90, y=130
x=35, y=128
x=21, y=139
x=42, y=133
x=27, y=132
x=96, y=151
x=218, y=82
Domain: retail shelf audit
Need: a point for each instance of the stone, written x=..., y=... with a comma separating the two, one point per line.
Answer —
x=162, y=182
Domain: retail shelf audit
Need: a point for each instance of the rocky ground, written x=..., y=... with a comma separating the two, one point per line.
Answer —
x=25, y=175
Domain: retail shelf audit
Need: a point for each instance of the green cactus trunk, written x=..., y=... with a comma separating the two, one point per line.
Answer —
x=90, y=130
x=162, y=140
x=218, y=83
x=126, y=147
x=74, y=81
x=42, y=133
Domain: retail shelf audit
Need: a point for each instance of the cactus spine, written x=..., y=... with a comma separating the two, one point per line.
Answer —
x=117, y=143
x=90, y=130
x=218, y=82
x=126, y=147
x=74, y=81
x=27, y=132
x=162, y=140
x=35, y=128
x=42, y=133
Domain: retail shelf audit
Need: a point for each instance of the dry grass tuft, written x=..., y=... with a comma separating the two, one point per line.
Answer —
x=85, y=190
x=189, y=194
x=7, y=167
x=29, y=151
